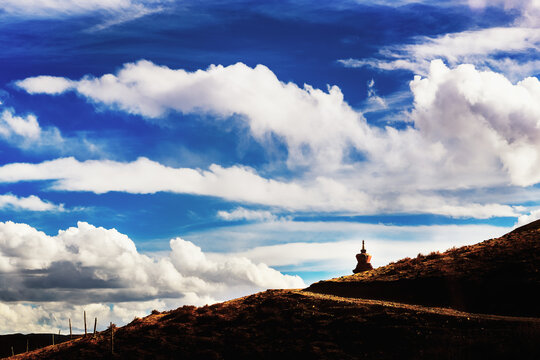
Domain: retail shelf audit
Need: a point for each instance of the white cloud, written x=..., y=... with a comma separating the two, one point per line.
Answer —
x=470, y=129
x=528, y=218
x=26, y=133
x=25, y=127
x=32, y=203
x=109, y=12
x=477, y=47
x=374, y=101
x=52, y=8
x=241, y=213
x=50, y=85
x=483, y=118
x=239, y=184
x=86, y=264
x=49, y=317
x=316, y=125
x=529, y=9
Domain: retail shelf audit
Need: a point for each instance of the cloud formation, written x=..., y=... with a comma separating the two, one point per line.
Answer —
x=91, y=265
x=31, y=203
x=487, y=48
x=241, y=213
x=484, y=114
x=316, y=125
x=240, y=184
x=108, y=266
x=54, y=8
x=470, y=129
x=25, y=131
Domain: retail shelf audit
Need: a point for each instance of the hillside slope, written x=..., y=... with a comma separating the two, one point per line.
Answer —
x=497, y=276
x=292, y=324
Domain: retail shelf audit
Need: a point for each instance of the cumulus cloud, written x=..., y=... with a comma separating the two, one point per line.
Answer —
x=32, y=203
x=481, y=113
x=25, y=131
x=469, y=129
x=50, y=317
x=313, y=123
x=528, y=218
x=87, y=264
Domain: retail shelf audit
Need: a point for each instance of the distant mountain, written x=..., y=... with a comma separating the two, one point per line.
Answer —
x=496, y=276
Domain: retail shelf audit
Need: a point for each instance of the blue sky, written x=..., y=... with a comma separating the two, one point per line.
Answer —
x=170, y=152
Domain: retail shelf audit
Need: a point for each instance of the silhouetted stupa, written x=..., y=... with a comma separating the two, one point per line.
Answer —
x=363, y=261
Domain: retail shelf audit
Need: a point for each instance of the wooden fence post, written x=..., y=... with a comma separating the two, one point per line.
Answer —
x=53, y=338
x=112, y=338
x=12, y=353
x=85, y=324
x=70, y=333
x=95, y=326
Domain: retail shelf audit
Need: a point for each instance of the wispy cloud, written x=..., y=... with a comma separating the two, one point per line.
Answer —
x=239, y=184
x=109, y=12
x=30, y=203
x=331, y=246
x=241, y=213
x=24, y=132
x=488, y=48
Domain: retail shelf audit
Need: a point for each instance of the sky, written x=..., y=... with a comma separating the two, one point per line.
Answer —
x=157, y=153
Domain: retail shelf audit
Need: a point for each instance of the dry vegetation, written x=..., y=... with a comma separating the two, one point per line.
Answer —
x=292, y=324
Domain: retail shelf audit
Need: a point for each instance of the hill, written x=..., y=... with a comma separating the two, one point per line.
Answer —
x=497, y=276
x=294, y=324
x=314, y=323
x=20, y=342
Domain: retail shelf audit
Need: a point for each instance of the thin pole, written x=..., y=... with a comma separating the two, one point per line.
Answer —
x=12, y=353
x=95, y=326
x=53, y=339
x=70, y=333
x=26, y=344
x=85, y=324
x=112, y=338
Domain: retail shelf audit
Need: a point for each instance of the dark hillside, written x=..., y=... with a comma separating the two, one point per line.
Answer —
x=291, y=324
x=497, y=276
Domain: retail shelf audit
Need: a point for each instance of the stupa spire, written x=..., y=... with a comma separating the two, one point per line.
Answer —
x=363, y=260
